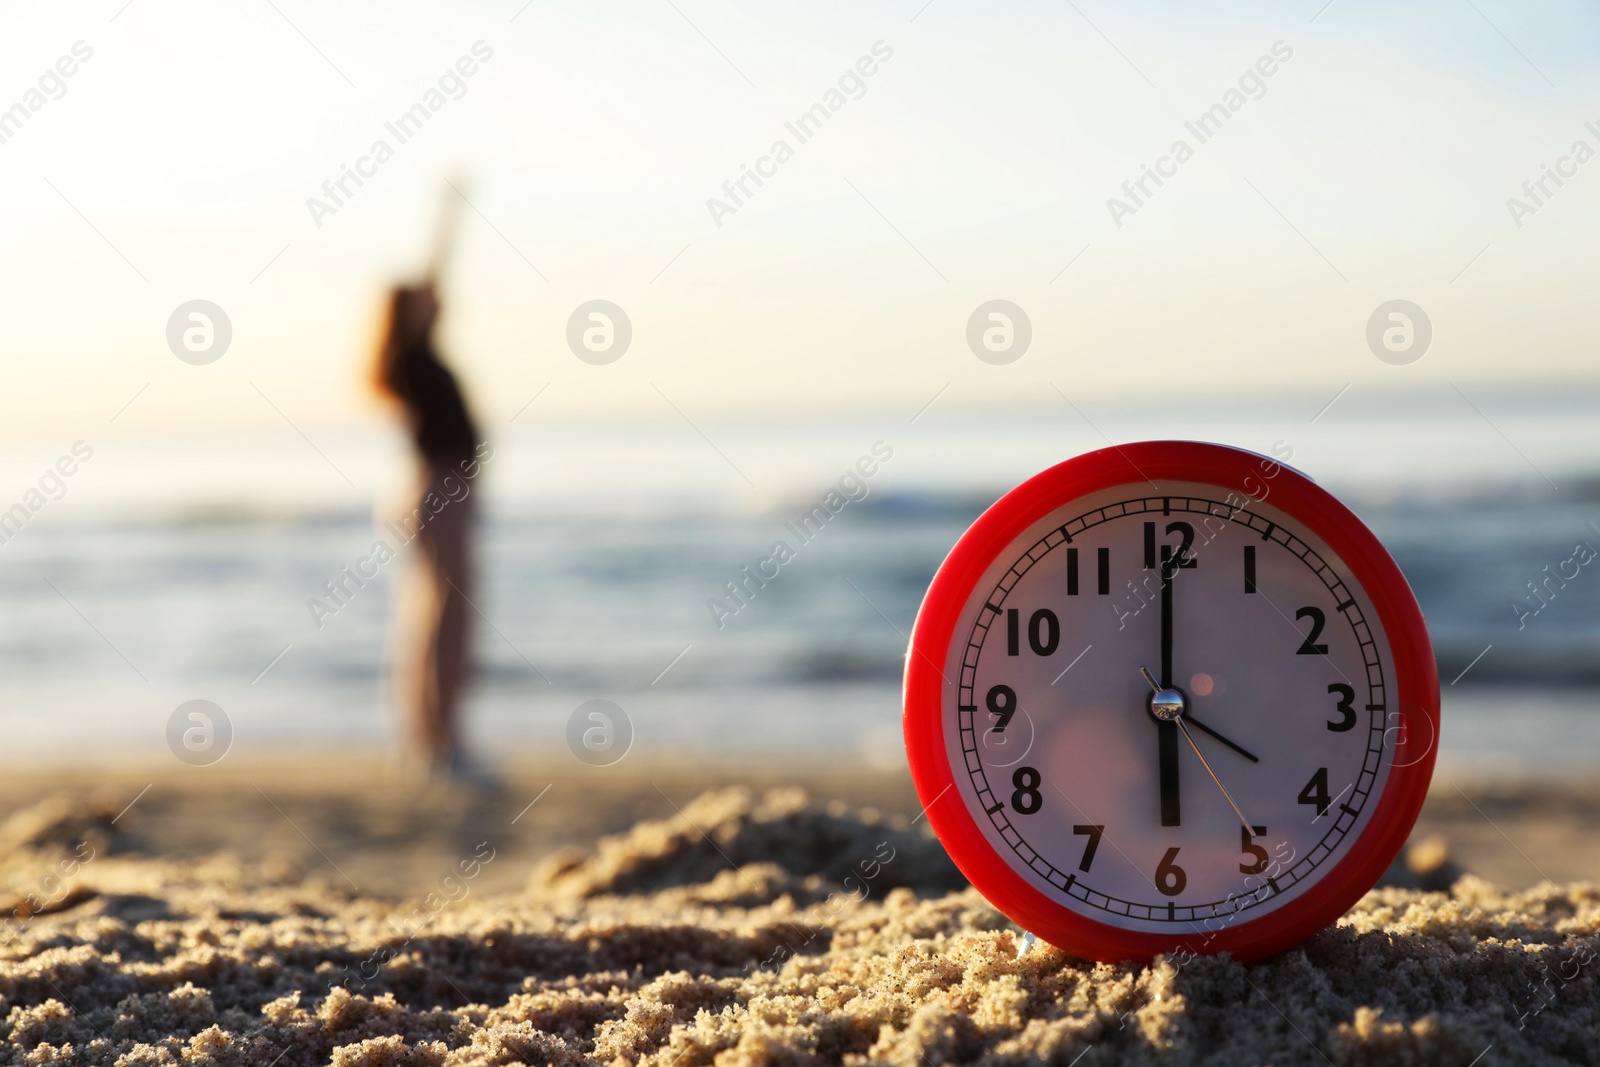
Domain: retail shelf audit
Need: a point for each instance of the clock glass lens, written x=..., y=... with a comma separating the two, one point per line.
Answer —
x=1169, y=709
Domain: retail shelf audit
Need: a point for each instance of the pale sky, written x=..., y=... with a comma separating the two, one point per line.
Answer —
x=1376, y=164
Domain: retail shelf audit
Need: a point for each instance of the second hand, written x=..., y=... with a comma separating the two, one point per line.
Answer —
x=1247, y=827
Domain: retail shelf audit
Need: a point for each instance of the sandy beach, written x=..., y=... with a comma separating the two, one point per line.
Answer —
x=778, y=401
x=307, y=912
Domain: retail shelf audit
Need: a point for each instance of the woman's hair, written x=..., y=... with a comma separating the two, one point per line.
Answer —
x=407, y=323
x=406, y=368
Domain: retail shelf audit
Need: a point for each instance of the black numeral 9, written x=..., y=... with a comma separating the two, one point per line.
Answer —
x=1002, y=703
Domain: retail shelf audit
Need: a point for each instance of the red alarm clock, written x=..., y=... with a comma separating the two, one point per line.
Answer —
x=1171, y=696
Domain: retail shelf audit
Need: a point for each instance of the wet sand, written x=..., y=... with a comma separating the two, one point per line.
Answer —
x=305, y=912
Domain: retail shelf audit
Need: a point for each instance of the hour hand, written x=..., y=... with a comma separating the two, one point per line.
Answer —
x=1192, y=721
x=1197, y=724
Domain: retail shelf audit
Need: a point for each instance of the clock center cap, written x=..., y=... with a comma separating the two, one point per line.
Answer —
x=1167, y=704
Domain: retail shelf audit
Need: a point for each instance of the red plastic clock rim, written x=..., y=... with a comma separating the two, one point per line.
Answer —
x=1416, y=697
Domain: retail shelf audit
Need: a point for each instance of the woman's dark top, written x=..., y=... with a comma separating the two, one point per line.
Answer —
x=439, y=422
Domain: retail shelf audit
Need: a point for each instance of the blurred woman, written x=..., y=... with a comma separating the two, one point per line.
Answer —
x=432, y=602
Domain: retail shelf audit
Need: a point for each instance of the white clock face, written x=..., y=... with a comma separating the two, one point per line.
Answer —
x=1267, y=651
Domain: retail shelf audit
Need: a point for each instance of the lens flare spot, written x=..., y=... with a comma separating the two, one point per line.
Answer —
x=1201, y=685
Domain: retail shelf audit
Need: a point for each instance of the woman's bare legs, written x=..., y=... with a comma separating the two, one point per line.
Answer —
x=433, y=621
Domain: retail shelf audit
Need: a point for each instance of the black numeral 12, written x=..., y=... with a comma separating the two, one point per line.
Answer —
x=1181, y=558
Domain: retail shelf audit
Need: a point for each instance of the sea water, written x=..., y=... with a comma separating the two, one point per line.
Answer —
x=606, y=549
